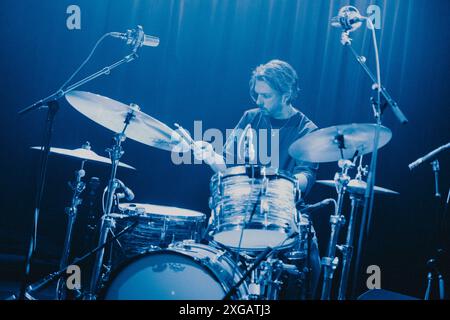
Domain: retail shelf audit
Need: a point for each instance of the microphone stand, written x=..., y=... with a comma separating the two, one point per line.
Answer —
x=434, y=263
x=51, y=102
x=377, y=108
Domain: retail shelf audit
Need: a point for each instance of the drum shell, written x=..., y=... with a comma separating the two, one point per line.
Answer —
x=268, y=195
x=156, y=230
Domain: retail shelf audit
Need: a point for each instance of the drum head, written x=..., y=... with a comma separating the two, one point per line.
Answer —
x=253, y=239
x=163, y=275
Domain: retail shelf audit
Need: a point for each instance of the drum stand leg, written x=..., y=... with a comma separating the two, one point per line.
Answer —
x=330, y=262
x=347, y=249
x=78, y=187
x=107, y=221
x=308, y=267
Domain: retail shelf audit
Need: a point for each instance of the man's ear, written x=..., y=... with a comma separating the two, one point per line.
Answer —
x=285, y=98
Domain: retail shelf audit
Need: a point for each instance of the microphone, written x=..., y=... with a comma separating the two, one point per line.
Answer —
x=429, y=156
x=247, y=138
x=313, y=207
x=137, y=38
x=127, y=193
x=249, y=144
x=348, y=18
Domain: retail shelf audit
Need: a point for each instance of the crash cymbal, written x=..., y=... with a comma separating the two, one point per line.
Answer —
x=84, y=154
x=324, y=145
x=111, y=114
x=357, y=186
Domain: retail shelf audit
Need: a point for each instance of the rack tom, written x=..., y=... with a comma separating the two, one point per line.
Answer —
x=253, y=207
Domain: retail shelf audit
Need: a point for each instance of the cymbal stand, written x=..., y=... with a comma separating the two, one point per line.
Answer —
x=337, y=220
x=107, y=221
x=347, y=248
x=77, y=187
x=51, y=103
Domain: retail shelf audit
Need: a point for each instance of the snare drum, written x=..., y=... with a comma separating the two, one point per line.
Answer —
x=253, y=207
x=184, y=271
x=158, y=226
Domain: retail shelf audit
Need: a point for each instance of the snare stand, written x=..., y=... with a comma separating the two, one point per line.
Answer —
x=107, y=221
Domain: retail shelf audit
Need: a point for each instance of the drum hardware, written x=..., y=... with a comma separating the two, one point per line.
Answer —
x=91, y=223
x=107, y=223
x=77, y=187
x=85, y=154
x=55, y=275
x=435, y=274
x=356, y=188
x=347, y=249
x=337, y=220
x=51, y=103
x=344, y=142
x=308, y=267
x=264, y=283
x=262, y=257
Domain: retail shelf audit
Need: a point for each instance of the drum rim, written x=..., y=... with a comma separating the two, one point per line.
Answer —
x=125, y=207
x=242, y=170
x=156, y=216
x=171, y=250
x=236, y=227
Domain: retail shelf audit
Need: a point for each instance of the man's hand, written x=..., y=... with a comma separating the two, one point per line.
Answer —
x=302, y=181
x=204, y=151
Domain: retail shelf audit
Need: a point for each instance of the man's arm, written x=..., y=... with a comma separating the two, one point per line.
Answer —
x=302, y=180
x=306, y=173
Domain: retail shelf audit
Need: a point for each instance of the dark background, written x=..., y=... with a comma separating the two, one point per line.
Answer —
x=200, y=71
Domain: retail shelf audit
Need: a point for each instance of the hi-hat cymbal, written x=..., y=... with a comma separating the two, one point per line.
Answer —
x=111, y=114
x=357, y=186
x=325, y=145
x=84, y=154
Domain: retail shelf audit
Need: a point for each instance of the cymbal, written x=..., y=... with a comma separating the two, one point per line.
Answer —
x=111, y=114
x=84, y=154
x=323, y=145
x=357, y=186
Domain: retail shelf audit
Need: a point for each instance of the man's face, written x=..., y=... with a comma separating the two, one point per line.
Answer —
x=267, y=98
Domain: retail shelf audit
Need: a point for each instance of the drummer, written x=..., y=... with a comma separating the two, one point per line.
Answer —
x=273, y=87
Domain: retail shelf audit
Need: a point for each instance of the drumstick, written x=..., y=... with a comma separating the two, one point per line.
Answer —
x=185, y=135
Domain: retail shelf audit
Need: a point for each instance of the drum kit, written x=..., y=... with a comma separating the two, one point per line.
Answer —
x=257, y=240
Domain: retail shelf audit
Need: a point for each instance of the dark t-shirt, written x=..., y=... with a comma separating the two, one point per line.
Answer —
x=270, y=145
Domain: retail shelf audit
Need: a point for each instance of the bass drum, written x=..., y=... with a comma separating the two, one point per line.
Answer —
x=184, y=271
